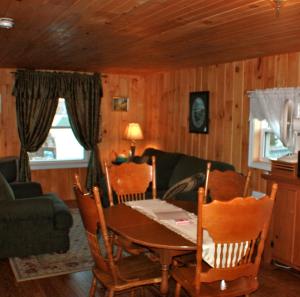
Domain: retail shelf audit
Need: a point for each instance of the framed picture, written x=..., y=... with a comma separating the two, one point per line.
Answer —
x=198, y=117
x=120, y=103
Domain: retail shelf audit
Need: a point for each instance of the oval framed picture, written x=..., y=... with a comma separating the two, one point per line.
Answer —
x=198, y=117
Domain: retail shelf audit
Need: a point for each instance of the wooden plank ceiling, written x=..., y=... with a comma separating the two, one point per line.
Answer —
x=143, y=35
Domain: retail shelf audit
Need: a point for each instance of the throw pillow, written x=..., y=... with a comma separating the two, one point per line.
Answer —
x=6, y=193
x=188, y=184
x=187, y=166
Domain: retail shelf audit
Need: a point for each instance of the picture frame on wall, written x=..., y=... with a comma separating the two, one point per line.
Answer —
x=199, y=112
x=120, y=104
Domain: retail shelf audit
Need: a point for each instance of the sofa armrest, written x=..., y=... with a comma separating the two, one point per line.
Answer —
x=26, y=189
x=25, y=209
x=62, y=218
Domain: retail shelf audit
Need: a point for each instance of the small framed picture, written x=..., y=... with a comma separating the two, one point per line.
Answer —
x=120, y=103
x=199, y=108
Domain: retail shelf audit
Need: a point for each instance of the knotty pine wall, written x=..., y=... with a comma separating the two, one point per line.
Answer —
x=113, y=125
x=114, y=122
x=167, y=100
x=159, y=102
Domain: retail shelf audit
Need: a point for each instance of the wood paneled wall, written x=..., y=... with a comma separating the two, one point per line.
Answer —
x=167, y=100
x=114, y=122
x=160, y=103
x=9, y=140
x=60, y=181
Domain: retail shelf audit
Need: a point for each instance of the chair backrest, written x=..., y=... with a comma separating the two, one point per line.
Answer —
x=238, y=228
x=78, y=183
x=206, y=181
x=92, y=215
x=130, y=180
x=225, y=185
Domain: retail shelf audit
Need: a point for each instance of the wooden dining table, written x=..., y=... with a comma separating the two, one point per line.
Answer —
x=138, y=228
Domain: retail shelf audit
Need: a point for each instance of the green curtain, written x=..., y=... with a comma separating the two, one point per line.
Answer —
x=82, y=94
x=37, y=96
x=36, y=103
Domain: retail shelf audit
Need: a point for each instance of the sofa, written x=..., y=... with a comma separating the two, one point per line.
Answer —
x=179, y=175
x=31, y=222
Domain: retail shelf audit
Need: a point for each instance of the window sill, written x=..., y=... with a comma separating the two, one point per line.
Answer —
x=260, y=165
x=58, y=165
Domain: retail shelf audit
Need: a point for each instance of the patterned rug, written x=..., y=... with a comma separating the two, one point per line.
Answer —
x=78, y=258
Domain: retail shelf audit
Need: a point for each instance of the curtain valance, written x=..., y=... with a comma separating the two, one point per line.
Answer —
x=271, y=101
x=268, y=104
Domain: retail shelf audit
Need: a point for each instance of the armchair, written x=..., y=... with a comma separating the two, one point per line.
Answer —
x=30, y=222
x=9, y=169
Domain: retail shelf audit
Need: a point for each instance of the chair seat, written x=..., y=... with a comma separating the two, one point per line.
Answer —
x=238, y=287
x=140, y=269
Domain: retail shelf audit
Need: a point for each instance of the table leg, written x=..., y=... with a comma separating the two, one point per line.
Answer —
x=164, y=287
x=165, y=260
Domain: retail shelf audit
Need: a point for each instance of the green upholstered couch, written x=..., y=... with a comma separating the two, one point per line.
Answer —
x=173, y=168
x=30, y=222
x=174, y=172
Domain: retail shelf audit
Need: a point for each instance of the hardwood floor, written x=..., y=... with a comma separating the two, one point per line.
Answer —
x=274, y=282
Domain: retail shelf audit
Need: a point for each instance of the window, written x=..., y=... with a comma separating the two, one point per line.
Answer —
x=61, y=149
x=264, y=145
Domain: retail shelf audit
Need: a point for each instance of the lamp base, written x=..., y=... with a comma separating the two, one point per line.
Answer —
x=132, y=151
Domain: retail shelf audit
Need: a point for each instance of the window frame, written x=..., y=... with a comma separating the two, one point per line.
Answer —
x=257, y=145
x=37, y=165
x=263, y=144
x=57, y=164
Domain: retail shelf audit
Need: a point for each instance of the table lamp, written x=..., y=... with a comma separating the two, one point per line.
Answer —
x=133, y=132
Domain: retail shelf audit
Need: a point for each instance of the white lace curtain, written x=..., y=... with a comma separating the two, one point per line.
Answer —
x=268, y=104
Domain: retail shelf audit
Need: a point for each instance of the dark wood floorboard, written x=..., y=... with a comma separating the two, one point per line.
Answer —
x=274, y=282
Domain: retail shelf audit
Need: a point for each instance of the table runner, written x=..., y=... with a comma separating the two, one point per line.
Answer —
x=183, y=223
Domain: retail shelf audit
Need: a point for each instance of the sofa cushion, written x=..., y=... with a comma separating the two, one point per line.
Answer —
x=26, y=189
x=222, y=166
x=165, y=163
x=187, y=166
x=188, y=184
x=187, y=196
x=6, y=193
x=36, y=208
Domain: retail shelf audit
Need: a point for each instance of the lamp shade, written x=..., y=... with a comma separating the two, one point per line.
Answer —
x=133, y=131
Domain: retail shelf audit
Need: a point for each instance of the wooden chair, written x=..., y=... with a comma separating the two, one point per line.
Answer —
x=130, y=181
x=237, y=227
x=225, y=185
x=115, y=275
x=121, y=243
x=190, y=258
x=78, y=183
x=206, y=181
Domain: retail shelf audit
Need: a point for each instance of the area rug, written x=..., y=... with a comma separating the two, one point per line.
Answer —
x=78, y=258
